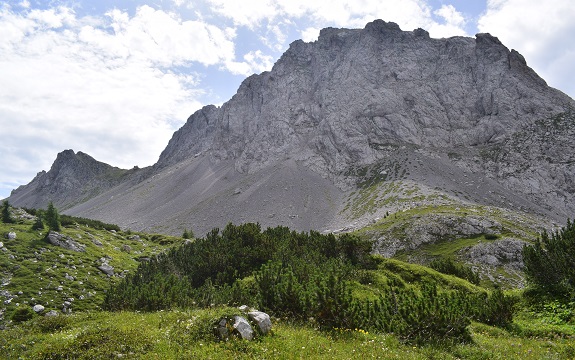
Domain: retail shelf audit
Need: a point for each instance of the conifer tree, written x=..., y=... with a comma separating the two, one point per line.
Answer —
x=550, y=262
x=38, y=224
x=188, y=234
x=52, y=217
x=6, y=217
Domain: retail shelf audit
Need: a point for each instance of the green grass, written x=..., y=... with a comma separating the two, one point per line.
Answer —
x=38, y=269
x=513, y=225
x=414, y=273
x=450, y=248
x=186, y=334
x=381, y=194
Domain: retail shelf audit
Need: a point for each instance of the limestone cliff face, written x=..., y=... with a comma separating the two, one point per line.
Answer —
x=336, y=102
x=368, y=110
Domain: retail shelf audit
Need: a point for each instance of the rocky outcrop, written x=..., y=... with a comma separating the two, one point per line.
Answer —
x=340, y=102
x=65, y=242
x=239, y=327
x=450, y=224
x=106, y=269
x=537, y=162
x=505, y=252
x=337, y=101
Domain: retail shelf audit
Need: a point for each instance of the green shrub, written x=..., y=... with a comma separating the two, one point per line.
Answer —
x=22, y=313
x=50, y=324
x=450, y=267
x=280, y=290
x=67, y=220
x=52, y=217
x=495, y=308
x=433, y=316
x=219, y=259
x=188, y=234
x=550, y=262
x=38, y=224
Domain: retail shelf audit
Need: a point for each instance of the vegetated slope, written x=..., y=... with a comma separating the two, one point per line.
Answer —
x=378, y=306
x=33, y=271
x=325, y=138
x=488, y=239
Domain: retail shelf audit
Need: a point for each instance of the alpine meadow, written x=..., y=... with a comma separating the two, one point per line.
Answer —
x=379, y=193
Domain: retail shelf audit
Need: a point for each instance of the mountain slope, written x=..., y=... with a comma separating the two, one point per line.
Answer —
x=343, y=130
x=73, y=178
x=336, y=101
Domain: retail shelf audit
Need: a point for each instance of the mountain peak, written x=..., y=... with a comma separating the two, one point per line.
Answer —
x=355, y=87
x=71, y=177
x=347, y=111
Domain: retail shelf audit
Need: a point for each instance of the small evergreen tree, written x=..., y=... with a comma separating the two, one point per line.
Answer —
x=550, y=262
x=38, y=224
x=188, y=234
x=6, y=217
x=52, y=217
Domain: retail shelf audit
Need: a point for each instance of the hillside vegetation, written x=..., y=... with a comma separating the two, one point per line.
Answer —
x=328, y=296
x=34, y=271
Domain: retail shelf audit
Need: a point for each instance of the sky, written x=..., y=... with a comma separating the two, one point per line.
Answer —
x=115, y=79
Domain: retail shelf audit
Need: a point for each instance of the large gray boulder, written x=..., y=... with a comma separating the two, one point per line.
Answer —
x=243, y=328
x=106, y=269
x=262, y=320
x=65, y=242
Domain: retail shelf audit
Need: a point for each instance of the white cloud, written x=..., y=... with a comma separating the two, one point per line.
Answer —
x=278, y=32
x=541, y=32
x=52, y=18
x=409, y=14
x=248, y=13
x=254, y=62
x=105, y=86
x=451, y=15
x=454, y=22
x=310, y=34
x=163, y=38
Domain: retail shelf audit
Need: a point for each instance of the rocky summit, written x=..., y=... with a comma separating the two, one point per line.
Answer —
x=342, y=132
